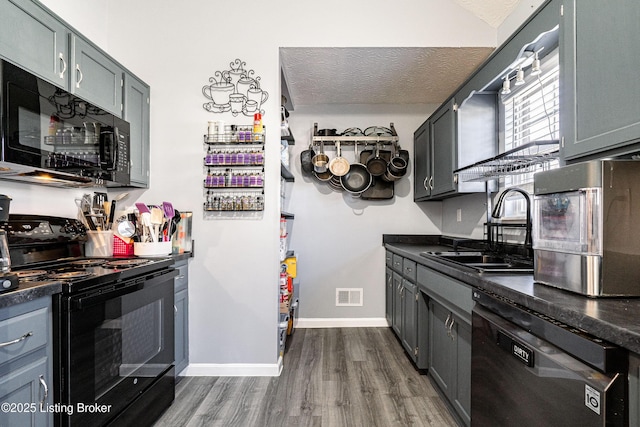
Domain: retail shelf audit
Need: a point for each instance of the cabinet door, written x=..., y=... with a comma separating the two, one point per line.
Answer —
x=421, y=163
x=25, y=386
x=462, y=392
x=397, y=304
x=95, y=77
x=181, y=330
x=136, y=112
x=389, y=296
x=409, y=318
x=422, y=358
x=599, y=67
x=440, y=348
x=443, y=139
x=34, y=40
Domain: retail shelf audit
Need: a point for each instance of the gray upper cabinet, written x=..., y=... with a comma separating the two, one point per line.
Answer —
x=443, y=137
x=434, y=154
x=95, y=77
x=421, y=163
x=22, y=23
x=136, y=112
x=598, y=65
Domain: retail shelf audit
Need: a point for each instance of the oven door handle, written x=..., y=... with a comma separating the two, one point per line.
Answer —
x=117, y=290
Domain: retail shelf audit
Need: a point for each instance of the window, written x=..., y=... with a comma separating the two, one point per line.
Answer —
x=531, y=113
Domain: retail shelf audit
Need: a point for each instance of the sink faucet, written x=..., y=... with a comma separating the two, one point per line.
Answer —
x=498, y=212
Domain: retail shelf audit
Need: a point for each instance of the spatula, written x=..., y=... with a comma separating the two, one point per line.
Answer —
x=145, y=219
x=169, y=212
x=157, y=217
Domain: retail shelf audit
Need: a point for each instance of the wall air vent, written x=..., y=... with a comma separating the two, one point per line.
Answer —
x=348, y=297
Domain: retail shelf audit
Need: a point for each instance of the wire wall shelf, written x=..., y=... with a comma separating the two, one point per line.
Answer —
x=532, y=157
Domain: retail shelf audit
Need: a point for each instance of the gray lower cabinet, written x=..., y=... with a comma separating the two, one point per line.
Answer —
x=23, y=23
x=181, y=306
x=600, y=89
x=449, y=360
x=136, y=112
x=26, y=367
x=406, y=309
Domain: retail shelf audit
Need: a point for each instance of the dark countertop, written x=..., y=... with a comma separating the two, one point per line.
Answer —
x=29, y=291
x=616, y=320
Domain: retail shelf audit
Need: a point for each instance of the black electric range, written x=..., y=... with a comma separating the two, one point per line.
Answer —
x=113, y=323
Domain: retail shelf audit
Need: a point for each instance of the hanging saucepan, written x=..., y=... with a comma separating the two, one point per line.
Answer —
x=320, y=160
x=338, y=165
x=397, y=166
x=376, y=165
x=305, y=160
x=358, y=179
x=327, y=132
x=323, y=176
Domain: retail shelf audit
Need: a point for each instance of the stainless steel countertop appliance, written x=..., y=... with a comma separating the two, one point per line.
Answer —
x=530, y=370
x=113, y=323
x=586, y=228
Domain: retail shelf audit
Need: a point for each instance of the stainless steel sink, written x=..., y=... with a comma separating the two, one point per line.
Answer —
x=483, y=262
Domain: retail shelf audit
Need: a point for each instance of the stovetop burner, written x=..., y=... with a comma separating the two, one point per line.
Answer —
x=119, y=263
x=88, y=262
x=30, y=274
x=70, y=275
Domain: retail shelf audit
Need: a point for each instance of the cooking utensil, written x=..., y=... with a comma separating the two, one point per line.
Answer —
x=112, y=213
x=327, y=132
x=358, y=179
x=321, y=160
x=376, y=165
x=378, y=131
x=396, y=168
x=169, y=213
x=157, y=217
x=145, y=219
x=338, y=165
x=305, y=160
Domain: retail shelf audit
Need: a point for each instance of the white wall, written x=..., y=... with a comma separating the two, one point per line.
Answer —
x=176, y=47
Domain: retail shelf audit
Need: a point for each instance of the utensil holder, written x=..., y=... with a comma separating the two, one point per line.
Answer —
x=152, y=249
x=99, y=244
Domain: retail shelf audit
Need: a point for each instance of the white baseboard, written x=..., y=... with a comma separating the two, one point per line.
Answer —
x=233, y=369
x=367, y=322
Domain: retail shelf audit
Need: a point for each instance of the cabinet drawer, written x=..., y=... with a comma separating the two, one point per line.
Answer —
x=21, y=334
x=397, y=263
x=409, y=269
x=182, y=279
x=444, y=288
x=389, y=259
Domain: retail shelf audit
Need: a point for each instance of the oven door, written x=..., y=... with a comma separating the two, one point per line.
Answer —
x=114, y=344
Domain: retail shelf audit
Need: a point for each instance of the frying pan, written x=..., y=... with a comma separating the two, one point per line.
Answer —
x=358, y=179
x=376, y=165
x=305, y=160
x=338, y=165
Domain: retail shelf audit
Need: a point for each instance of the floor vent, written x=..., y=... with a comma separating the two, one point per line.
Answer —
x=348, y=297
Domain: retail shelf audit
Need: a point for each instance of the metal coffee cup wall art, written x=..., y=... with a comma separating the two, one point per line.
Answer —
x=236, y=90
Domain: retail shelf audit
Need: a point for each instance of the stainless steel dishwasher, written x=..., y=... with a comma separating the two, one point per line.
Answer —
x=530, y=370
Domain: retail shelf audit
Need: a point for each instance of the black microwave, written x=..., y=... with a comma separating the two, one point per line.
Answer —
x=50, y=136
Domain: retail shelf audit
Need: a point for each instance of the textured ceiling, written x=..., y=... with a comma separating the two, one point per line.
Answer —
x=373, y=75
x=403, y=75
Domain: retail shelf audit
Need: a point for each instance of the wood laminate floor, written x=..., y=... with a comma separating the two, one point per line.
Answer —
x=347, y=377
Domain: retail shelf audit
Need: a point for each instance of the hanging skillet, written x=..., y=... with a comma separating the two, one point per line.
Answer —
x=358, y=179
x=376, y=165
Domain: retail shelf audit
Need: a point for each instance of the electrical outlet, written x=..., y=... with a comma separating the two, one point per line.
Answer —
x=459, y=215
